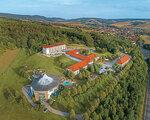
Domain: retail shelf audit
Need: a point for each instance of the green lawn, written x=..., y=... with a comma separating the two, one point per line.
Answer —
x=65, y=61
x=10, y=108
x=46, y=63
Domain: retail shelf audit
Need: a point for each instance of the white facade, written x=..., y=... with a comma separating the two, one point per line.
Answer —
x=76, y=72
x=52, y=50
x=44, y=86
x=43, y=94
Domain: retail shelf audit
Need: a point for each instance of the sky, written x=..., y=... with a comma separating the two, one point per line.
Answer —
x=78, y=8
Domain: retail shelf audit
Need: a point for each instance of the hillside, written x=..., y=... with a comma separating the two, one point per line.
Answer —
x=116, y=95
x=88, y=21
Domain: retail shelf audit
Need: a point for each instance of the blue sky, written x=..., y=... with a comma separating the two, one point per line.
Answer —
x=78, y=8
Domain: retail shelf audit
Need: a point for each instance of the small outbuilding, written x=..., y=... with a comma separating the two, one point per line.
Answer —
x=123, y=60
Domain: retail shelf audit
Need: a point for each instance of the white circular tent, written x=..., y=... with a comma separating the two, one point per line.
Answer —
x=44, y=86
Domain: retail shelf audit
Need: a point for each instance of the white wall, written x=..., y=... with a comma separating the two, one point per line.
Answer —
x=52, y=50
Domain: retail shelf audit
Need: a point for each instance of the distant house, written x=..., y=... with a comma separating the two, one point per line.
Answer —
x=43, y=86
x=123, y=60
x=83, y=63
x=54, y=49
x=103, y=69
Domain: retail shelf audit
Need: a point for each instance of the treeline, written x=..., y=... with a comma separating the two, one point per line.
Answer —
x=32, y=35
x=127, y=98
x=86, y=97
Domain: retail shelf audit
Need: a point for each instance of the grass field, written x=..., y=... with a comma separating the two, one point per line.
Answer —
x=121, y=24
x=10, y=108
x=65, y=60
x=6, y=59
x=46, y=63
x=146, y=39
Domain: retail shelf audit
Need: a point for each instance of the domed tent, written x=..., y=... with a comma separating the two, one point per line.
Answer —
x=43, y=86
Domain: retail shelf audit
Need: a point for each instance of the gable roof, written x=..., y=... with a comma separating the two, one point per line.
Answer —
x=78, y=66
x=75, y=54
x=50, y=46
x=123, y=59
x=85, y=60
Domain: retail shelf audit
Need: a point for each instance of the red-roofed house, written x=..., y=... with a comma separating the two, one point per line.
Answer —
x=83, y=63
x=53, y=49
x=123, y=60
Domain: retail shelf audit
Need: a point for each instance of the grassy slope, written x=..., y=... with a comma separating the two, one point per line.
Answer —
x=10, y=110
x=7, y=58
x=48, y=64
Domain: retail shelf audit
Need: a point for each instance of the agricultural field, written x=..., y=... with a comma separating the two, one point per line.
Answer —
x=145, y=38
x=121, y=24
x=13, y=105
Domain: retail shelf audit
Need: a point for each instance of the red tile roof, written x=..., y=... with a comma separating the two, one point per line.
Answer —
x=123, y=59
x=85, y=60
x=50, y=46
x=78, y=65
x=74, y=53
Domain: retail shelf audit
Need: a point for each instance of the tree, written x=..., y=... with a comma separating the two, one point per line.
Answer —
x=79, y=89
x=72, y=115
x=96, y=68
x=91, y=68
x=84, y=88
x=85, y=116
x=74, y=91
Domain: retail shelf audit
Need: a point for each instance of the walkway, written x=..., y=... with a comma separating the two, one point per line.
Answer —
x=24, y=91
x=52, y=110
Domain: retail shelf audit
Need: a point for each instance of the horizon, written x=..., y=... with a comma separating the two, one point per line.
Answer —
x=71, y=9
x=77, y=17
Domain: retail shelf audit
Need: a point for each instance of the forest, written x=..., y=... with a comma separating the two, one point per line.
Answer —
x=32, y=35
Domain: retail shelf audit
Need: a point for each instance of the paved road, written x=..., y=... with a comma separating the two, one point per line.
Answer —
x=55, y=111
x=147, y=104
x=146, y=53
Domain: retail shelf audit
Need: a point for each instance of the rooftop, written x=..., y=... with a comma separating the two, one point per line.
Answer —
x=44, y=83
x=85, y=60
x=123, y=59
x=75, y=54
x=50, y=46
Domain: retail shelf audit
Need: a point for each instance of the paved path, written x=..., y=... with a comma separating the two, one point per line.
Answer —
x=55, y=111
x=24, y=91
x=52, y=110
